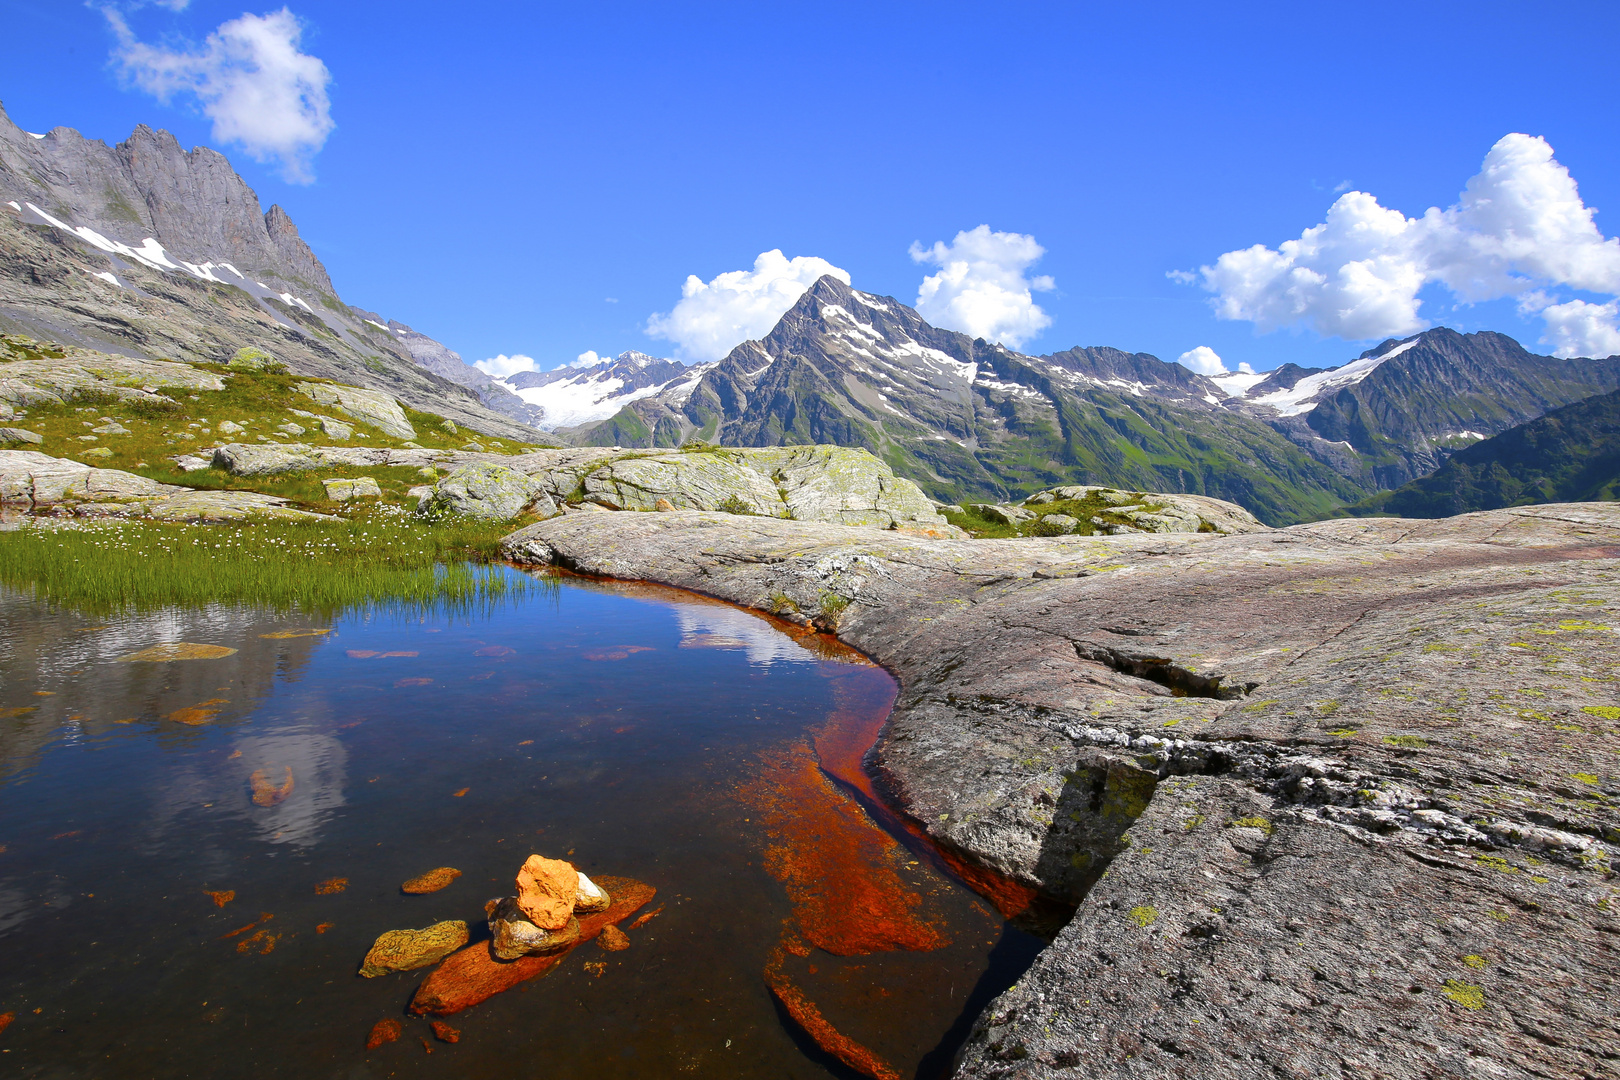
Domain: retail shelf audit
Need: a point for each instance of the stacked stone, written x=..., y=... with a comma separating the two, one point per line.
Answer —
x=541, y=918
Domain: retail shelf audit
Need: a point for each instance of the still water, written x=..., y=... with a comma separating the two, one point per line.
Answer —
x=151, y=808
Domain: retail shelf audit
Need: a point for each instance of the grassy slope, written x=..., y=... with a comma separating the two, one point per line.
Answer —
x=1571, y=454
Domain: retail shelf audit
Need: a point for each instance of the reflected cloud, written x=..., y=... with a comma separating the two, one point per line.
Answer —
x=315, y=765
x=715, y=627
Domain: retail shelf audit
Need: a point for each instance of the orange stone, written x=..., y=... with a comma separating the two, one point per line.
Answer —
x=432, y=881
x=221, y=898
x=444, y=1032
x=613, y=939
x=331, y=885
x=473, y=975
x=386, y=1031
x=546, y=889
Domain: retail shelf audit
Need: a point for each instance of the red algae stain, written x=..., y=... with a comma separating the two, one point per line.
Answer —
x=841, y=745
x=221, y=898
x=807, y=1016
x=473, y=975
x=321, y=928
x=647, y=918
x=838, y=867
x=331, y=885
x=385, y=1031
x=267, y=793
x=263, y=943
x=263, y=918
x=6, y=1019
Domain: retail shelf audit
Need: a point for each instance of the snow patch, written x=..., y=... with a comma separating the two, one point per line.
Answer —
x=31, y=135
x=1238, y=383
x=869, y=301
x=108, y=278
x=1303, y=396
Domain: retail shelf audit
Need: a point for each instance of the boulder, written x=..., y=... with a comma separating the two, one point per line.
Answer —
x=254, y=359
x=368, y=406
x=844, y=485
x=489, y=491
x=546, y=890
x=16, y=436
x=227, y=427
x=333, y=429
x=693, y=481
x=292, y=428
x=99, y=452
x=513, y=934
x=192, y=462
x=1007, y=515
x=114, y=428
x=363, y=487
x=246, y=459
x=1062, y=523
x=1159, y=512
x=405, y=950
x=613, y=939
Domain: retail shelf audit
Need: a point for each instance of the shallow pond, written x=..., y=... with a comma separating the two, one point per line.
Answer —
x=195, y=854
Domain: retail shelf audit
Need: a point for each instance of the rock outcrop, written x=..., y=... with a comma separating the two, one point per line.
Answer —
x=1336, y=798
x=372, y=407
x=406, y=950
x=30, y=480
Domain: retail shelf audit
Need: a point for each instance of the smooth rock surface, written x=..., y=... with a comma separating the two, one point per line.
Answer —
x=1335, y=799
x=36, y=481
x=372, y=407
x=363, y=487
x=513, y=934
x=14, y=436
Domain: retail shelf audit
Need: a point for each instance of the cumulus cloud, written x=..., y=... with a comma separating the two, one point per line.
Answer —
x=588, y=358
x=1519, y=226
x=714, y=317
x=250, y=78
x=982, y=287
x=1202, y=360
x=504, y=367
x=1578, y=328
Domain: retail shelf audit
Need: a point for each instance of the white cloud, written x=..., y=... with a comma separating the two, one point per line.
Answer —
x=1202, y=360
x=504, y=367
x=250, y=79
x=1582, y=329
x=712, y=318
x=1519, y=224
x=588, y=358
x=982, y=288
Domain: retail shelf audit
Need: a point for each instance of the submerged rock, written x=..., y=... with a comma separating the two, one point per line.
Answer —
x=179, y=650
x=613, y=939
x=514, y=935
x=385, y=1031
x=441, y=1030
x=431, y=882
x=405, y=950
x=546, y=890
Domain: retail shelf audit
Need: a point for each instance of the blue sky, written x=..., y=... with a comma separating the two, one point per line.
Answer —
x=540, y=179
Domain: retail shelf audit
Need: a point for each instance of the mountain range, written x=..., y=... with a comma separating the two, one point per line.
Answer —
x=968, y=419
x=151, y=250
x=148, y=249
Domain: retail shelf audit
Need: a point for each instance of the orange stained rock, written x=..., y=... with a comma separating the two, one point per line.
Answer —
x=331, y=885
x=473, y=975
x=263, y=942
x=18, y=711
x=647, y=918
x=596, y=968
x=432, y=881
x=613, y=939
x=385, y=1031
x=266, y=793
x=839, y=868
x=444, y=1032
x=546, y=891
x=360, y=654
x=808, y=1017
x=283, y=635
x=841, y=745
x=459, y=794
x=321, y=928
x=495, y=650
x=412, y=682
x=221, y=898
x=6, y=1019
x=233, y=756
